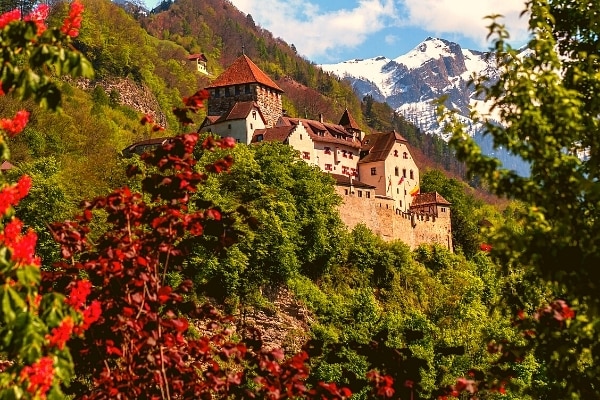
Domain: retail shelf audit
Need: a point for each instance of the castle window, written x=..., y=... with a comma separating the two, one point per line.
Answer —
x=217, y=92
x=254, y=114
x=327, y=150
x=251, y=126
x=395, y=153
x=227, y=93
x=404, y=173
x=247, y=89
x=228, y=126
x=237, y=90
x=350, y=155
x=328, y=167
x=412, y=175
x=344, y=170
x=405, y=155
x=443, y=209
x=259, y=138
x=373, y=171
x=368, y=195
x=360, y=193
x=306, y=155
x=400, y=203
x=346, y=192
x=398, y=190
x=344, y=153
x=300, y=136
x=397, y=171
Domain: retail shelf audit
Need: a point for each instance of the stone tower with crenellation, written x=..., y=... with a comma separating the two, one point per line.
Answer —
x=244, y=81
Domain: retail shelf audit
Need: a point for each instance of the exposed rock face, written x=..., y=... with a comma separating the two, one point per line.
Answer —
x=131, y=94
x=285, y=325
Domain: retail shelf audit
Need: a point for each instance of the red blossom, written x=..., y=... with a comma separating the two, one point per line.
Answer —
x=485, y=247
x=15, y=125
x=8, y=17
x=39, y=375
x=558, y=311
x=72, y=23
x=79, y=293
x=38, y=17
x=91, y=314
x=61, y=334
x=22, y=247
x=147, y=119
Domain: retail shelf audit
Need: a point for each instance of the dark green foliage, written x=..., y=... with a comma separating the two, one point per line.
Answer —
x=465, y=223
x=291, y=208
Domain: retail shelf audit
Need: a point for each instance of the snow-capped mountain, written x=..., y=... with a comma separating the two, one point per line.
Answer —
x=410, y=82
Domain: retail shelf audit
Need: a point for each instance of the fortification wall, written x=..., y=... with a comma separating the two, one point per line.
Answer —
x=380, y=217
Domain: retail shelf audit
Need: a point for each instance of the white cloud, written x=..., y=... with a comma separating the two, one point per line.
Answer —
x=325, y=34
x=391, y=39
x=465, y=17
x=315, y=32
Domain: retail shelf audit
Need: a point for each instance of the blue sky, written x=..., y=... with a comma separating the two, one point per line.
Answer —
x=330, y=31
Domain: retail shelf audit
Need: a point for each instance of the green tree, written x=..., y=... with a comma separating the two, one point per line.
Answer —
x=465, y=224
x=292, y=207
x=548, y=102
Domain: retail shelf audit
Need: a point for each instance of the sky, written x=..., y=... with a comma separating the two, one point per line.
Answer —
x=331, y=31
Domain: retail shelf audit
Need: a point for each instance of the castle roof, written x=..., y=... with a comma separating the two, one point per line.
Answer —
x=323, y=132
x=243, y=71
x=379, y=145
x=429, y=198
x=344, y=180
x=276, y=133
x=348, y=122
x=197, y=56
x=239, y=110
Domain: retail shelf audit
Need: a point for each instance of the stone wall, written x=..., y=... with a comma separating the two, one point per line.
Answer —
x=379, y=215
x=269, y=102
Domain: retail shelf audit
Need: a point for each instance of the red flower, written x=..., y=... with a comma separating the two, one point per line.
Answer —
x=59, y=335
x=39, y=375
x=72, y=23
x=91, y=314
x=485, y=247
x=79, y=294
x=15, y=125
x=8, y=17
x=22, y=247
x=38, y=17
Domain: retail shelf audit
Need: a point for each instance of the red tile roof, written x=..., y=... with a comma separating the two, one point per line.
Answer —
x=347, y=121
x=429, y=198
x=243, y=71
x=379, y=145
x=277, y=134
x=197, y=56
x=323, y=132
x=239, y=110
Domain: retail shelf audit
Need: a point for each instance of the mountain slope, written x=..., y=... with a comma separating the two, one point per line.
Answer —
x=410, y=82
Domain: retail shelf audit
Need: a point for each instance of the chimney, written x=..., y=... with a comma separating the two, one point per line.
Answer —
x=321, y=117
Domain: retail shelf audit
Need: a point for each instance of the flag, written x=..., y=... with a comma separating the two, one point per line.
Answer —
x=415, y=191
x=400, y=181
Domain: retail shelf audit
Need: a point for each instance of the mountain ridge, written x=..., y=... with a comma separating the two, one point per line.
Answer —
x=411, y=82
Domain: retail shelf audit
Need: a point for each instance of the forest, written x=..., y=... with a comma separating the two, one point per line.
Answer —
x=141, y=277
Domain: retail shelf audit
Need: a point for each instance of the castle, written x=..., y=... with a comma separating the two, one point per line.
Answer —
x=375, y=174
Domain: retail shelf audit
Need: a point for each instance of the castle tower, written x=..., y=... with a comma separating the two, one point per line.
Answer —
x=244, y=81
x=349, y=123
